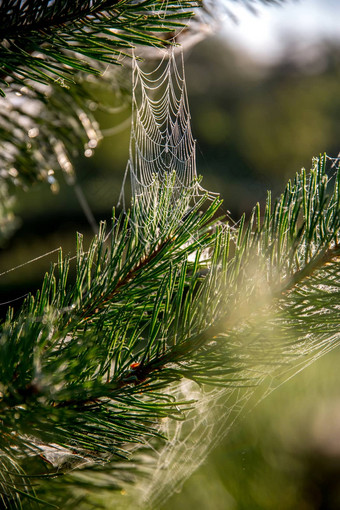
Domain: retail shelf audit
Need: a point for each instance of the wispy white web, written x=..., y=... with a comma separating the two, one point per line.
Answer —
x=161, y=143
x=262, y=369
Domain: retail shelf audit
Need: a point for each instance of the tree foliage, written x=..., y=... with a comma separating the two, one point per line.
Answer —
x=47, y=52
x=89, y=363
x=164, y=294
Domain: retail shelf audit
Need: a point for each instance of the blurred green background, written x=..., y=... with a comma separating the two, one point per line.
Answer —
x=257, y=123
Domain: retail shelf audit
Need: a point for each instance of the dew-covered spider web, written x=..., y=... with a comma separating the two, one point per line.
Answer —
x=263, y=366
x=162, y=150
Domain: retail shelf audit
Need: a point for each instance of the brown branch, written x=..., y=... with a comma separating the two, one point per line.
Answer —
x=316, y=263
x=196, y=341
x=140, y=373
x=121, y=283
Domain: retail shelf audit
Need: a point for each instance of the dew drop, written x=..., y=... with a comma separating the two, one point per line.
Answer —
x=92, y=143
x=13, y=172
x=54, y=187
x=32, y=133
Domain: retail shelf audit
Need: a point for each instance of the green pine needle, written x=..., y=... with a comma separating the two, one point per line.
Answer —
x=88, y=364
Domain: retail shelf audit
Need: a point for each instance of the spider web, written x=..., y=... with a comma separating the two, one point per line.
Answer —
x=263, y=367
x=162, y=151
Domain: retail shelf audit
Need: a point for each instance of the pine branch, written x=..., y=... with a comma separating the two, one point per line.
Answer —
x=264, y=305
x=43, y=128
x=19, y=18
x=44, y=40
x=46, y=51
